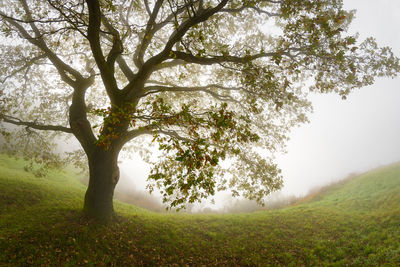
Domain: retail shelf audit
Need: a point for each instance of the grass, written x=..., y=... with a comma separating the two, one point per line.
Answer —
x=355, y=223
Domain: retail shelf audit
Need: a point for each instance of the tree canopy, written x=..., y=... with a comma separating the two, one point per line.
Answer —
x=214, y=83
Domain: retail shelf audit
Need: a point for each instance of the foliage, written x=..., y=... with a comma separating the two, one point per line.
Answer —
x=210, y=81
x=41, y=224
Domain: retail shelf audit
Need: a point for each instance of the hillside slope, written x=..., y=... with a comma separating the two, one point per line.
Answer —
x=354, y=223
x=375, y=190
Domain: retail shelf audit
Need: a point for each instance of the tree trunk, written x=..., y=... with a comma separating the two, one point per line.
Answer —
x=104, y=175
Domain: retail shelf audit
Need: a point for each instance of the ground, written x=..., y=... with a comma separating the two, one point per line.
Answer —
x=356, y=222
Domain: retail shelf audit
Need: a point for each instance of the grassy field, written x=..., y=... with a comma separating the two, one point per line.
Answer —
x=354, y=223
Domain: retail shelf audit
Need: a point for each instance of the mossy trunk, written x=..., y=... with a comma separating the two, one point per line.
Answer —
x=104, y=175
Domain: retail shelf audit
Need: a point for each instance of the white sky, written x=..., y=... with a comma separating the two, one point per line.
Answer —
x=355, y=135
x=343, y=137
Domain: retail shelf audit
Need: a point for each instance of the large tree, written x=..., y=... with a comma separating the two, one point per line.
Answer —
x=215, y=83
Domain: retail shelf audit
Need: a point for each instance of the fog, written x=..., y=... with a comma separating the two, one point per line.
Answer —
x=355, y=135
x=343, y=137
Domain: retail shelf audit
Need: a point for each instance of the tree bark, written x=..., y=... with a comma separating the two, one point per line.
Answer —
x=103, y=177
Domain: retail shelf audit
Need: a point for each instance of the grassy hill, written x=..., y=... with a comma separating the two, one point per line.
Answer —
x=356, y=222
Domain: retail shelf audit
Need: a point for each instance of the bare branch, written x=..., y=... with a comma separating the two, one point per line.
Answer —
x=218, y=59
x=185, y=26
x=150, y=32
x=159, y=83
x=148, y=35
x=116, y=48
x=126, y=70
x=149, y=66
x=25, y=66
x=250, y=6
x=31, y=20
x=34, y=125
x=206, y=89
x=29, y=16
x=169, y=64
x=38, y=41
x=175, y=134
x=106, y=67
x=119, y=59
x=150, y=130
x=146, y=4
x=69, y=19
x=130, y=135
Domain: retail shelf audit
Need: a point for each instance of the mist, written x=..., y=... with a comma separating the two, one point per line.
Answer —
x=355, y=135
x=343, y=137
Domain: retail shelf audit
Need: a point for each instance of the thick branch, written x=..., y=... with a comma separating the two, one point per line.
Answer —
x=126, y=70
x=78, y=120
x=34, y=125
x=80, y=126
x=184, y=27
x=150, y=130
x=69, y=18
x=117, y=48
x=146, y=4
x=136, y=85
x=189, y=58
x=169, y=64
x=176, y=135
x=206, y=89
x=38, y=41
x=150, y=31
x=130, y=135
x=106, y=67
x=148, y=35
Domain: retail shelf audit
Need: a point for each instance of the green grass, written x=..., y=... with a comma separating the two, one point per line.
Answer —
x=355, y=223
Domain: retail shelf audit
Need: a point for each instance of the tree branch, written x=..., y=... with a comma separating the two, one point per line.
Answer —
x=206, y=89
x=184, y=27
x=148, y=35
x=126, y=70
x=25, y=66
x=189, y=58
x=80, y=126
x=146, y=4
x=150, y=31
x=38, y=41
x=130, y=135
x=135, y=86
x=117, y=48
x=106, y=67
x=34, y=125
x=169, y=64
x=150, y=130
x=249, y=6
x=68, y=18
x=175, y=134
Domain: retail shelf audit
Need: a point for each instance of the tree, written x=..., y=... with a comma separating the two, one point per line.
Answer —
x=211, y=81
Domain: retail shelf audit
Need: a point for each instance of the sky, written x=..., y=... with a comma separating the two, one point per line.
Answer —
x=355, y=135
x=343, y=137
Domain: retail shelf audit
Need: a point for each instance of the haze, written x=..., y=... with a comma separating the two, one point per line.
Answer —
x=343, y=137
